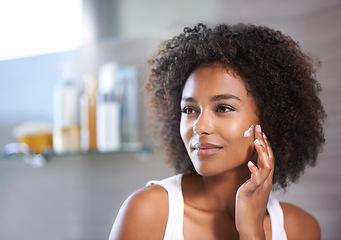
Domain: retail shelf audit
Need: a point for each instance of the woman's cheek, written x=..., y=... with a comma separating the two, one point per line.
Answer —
x=248, y=142
x=185, y=131
x=233, y=130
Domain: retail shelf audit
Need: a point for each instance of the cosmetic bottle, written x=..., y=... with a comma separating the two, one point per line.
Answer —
x=130, y=109
x=108, y=108
x=66, y=136
x=88, y=114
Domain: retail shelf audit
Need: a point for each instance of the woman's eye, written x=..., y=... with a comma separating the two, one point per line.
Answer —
x=223, y=108
x=187, y=110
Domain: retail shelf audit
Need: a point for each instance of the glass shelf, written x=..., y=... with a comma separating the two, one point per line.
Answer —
x=40, y=160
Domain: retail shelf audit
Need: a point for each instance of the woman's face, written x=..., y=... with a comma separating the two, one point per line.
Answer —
x=216, y=111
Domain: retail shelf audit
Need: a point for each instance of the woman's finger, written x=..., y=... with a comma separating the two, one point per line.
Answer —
x=271, y=156
x=255, y=181
x=265, y=155
x=264, y=163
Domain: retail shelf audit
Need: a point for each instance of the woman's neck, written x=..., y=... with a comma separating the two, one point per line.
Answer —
x=214, y=193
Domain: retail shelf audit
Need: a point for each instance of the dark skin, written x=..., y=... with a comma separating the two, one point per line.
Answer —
x=227, y=195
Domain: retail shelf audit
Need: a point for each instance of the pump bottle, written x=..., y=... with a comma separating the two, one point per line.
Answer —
x=108, y=108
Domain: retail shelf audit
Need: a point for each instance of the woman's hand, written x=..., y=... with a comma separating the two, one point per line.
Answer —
x=252, y=197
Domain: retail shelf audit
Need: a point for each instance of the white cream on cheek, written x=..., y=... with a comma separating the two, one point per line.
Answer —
x=249, y=132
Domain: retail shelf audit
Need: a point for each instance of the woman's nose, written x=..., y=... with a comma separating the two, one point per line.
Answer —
x=203, y=125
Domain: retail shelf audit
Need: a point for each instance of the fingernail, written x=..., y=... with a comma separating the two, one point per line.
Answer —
x=265, y=138
x=258, y=142
x=259, y=128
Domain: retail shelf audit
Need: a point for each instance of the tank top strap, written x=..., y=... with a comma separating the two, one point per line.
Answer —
x=277, y=219
x=174, y=227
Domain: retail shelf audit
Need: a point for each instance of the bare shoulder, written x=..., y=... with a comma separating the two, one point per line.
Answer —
x=298, y=222
x=143, y=215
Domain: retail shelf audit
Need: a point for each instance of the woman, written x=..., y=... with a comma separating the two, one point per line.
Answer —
x=238, y=115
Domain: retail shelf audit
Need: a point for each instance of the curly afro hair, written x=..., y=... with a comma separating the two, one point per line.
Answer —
x=279, y=76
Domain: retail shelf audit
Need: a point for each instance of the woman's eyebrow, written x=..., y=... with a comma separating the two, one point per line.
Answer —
x=224, y=96
x=187, y=99
x=213, y=99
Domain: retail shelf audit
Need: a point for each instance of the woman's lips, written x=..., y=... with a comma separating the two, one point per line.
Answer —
x=206, y=149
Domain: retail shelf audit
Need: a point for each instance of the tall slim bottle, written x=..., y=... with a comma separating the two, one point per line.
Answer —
x=66, y=135
x=108, y=108
x=88, y=114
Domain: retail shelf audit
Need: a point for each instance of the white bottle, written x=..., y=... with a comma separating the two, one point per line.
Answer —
x=66, y=136
x=108, y=109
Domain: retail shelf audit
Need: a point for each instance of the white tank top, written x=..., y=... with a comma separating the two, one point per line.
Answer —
x=174, y=229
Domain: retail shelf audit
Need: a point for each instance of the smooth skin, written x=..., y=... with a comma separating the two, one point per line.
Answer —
x=227, y=196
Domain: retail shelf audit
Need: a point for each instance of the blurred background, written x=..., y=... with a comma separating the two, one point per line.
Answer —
x=55, y=56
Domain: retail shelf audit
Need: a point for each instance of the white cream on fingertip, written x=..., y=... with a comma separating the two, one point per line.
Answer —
x=249, y=132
